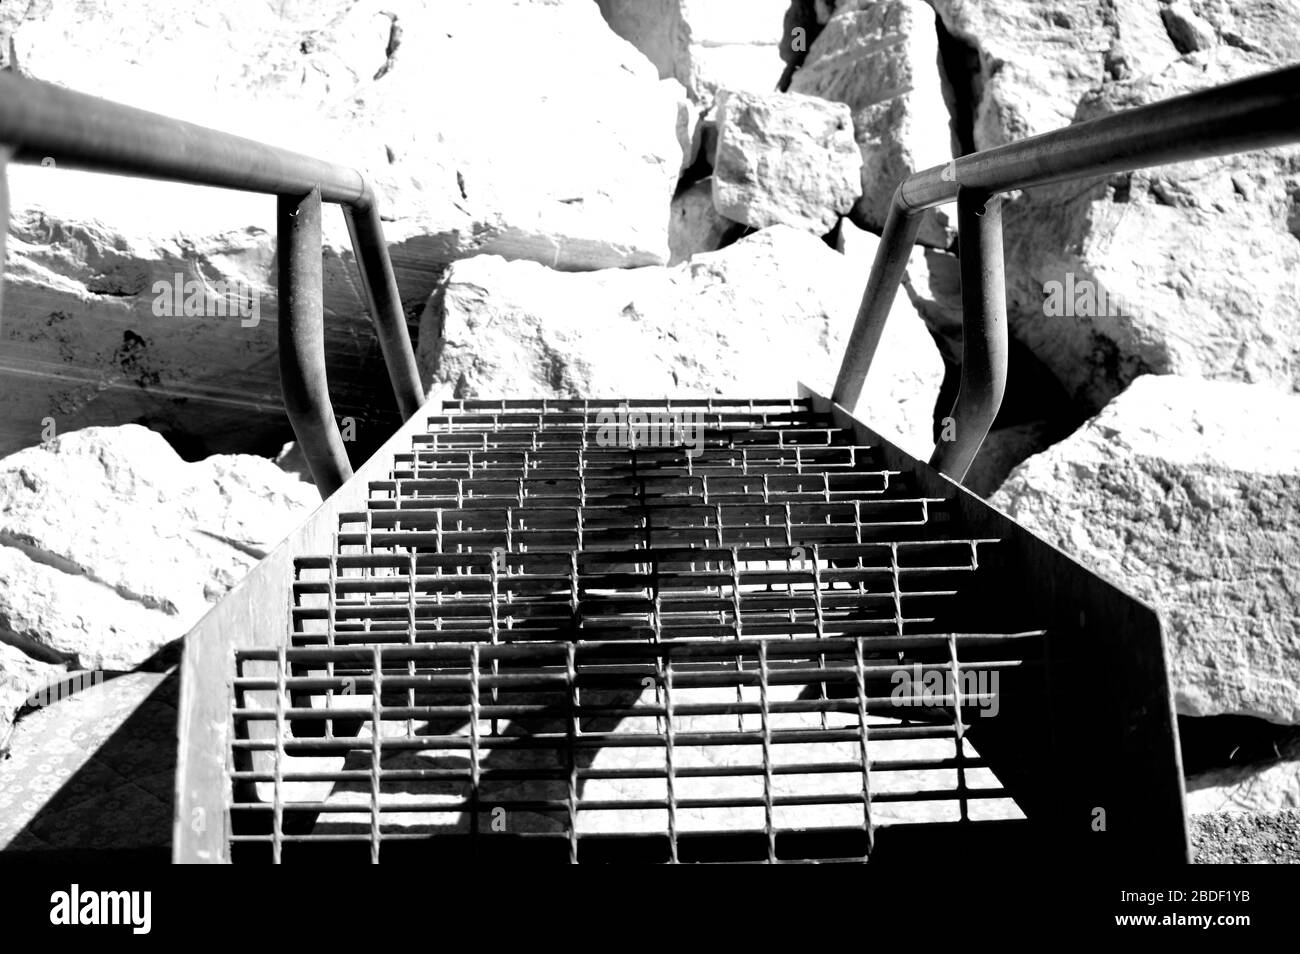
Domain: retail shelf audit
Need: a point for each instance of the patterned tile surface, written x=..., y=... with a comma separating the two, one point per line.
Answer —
x=95, y=770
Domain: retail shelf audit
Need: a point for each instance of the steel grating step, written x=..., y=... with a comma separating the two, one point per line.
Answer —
x=731, y=631
x=744, y=639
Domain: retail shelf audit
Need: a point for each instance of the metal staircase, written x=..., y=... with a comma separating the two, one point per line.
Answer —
x=583, y=648
x=510, y=636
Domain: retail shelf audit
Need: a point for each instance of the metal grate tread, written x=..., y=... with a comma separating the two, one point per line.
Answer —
x=537, y=630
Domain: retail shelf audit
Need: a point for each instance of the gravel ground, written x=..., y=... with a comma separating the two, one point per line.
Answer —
x=1240, y=839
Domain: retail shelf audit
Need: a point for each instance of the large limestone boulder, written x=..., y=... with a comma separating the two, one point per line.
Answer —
x=1037, y=58
x=22, y=677
x=881, y=58
x=705, y=44
x=784, y=159
x=697, y=225
x=804, y=21
x=574, y=167
x=111, y=546
x=1004, y=449
x=576, y=173
x=747, y=321
x=933, y=283
x=1187, y=493
x=92, y=336
x=1199, y=261
x=1202, y=255
x=1274, y=788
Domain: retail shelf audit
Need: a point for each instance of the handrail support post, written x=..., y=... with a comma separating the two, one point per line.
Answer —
x=302, y=341
x=385, y=305
x=892, y=255
x=984, y=333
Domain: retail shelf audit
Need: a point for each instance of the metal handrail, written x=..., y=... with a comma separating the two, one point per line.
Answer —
x=40, y=122
x=1252, y=113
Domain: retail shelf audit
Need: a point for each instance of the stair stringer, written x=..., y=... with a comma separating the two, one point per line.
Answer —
x=1110, y=712
x=254, y=614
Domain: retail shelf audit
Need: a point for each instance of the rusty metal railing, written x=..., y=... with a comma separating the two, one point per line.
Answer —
x=40, y=121
x=1252, y=113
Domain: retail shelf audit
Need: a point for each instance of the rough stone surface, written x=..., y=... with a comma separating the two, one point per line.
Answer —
x=1201, y=259
x=751, y=319
x=575, y=172
x=1203, y=255
x=707, y=136
x=1039, y=57
x=933, y=283
x=881, y=59
x=1275, y=788
x=804, y=21
x=20, y=677
x=1187, y=493
x=112, y=546
x=705, y=44
x=1003, y=450
x=1187, y=30
x=574, y=167
x=784, y=159
x=697, y=226
x=1242, y=839
x=85, y=344
x=291, y=460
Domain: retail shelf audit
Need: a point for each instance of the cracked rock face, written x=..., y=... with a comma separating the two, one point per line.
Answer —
x=1203, y=257
x=21, y=677
x=784, y=159
x=1200, y=261
x=750, y=320
x=1039, y=57
x=697, y=225
x=111, y=546
x=881, y=60
x=1187, y=494
x=1274, y=788
x=574, y=167
x=575, y=173
x=86, y=342
x=706, y=45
